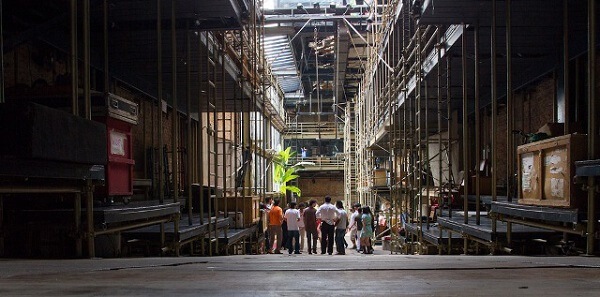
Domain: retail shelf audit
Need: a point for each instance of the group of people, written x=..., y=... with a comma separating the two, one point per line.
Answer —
x=328, y=223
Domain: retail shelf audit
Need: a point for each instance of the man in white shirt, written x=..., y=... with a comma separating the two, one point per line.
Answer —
x=292, y=217
x=340, y=229
x=329, y=216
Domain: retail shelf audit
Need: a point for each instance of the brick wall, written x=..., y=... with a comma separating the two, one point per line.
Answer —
x=533, y=107
x=333, y=187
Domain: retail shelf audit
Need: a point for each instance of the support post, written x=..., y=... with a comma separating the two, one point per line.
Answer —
x=477, y=130
x=105, y=51
x=189, y=149
x=74, y=60
x=89, y=195
x=2, y=100
x=567, y=112
x=465, y=126
x=2, y=225
x=175, y=115
x=494, y=95
x=86, y=60
x=159, y=86
x=509, y=106
x=77, y=224
x=592, y=128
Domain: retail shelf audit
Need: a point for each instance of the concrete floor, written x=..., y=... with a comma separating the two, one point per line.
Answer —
x=304, y=275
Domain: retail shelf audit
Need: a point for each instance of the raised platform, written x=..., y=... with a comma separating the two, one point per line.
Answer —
x=433, y=235
x=587, y=168
x=236, y=235
x=486, y=200
x=185, y=232
x=548, y=214
x=484, y=231
x=134, y=211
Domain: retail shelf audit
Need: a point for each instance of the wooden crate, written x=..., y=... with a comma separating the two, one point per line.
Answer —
x=546, y=171
x=248, y=206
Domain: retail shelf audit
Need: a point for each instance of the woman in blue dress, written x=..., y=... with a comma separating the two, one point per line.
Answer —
x=367, y=231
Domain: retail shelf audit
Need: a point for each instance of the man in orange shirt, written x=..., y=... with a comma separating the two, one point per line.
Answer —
x=275, y=221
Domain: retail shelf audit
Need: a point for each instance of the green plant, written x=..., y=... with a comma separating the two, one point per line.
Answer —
x=286, y=172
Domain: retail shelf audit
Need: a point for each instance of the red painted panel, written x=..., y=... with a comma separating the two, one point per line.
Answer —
x=119, y=173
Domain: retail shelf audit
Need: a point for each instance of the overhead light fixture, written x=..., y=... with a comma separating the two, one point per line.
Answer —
x=300, y=6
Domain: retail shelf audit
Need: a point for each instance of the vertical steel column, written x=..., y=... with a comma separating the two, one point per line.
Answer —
x=449, y=120
x=201, y=92
x=223, y=130
x=2, y=223
x=74, y=59
x=215, y=124
x=419, y=142
x=77, y=225
x=264, y=109
x=254, y=69
x=477, y=130
x=439, y=122
x=2, y=100
x=426, y=153
x=159, y=86
x=509, y=106
x=465, y=125
x=592, y=128
x=86, y=60
x=494, y=95
x=567, y=115
x=188, y=150
x=89, y=195
x=175, y=115
x=105, y=40
x=200, y=133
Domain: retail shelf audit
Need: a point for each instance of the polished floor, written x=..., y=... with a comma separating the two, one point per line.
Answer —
x=353, y=274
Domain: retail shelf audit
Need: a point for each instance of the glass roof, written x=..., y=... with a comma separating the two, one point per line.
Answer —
x=280, y=56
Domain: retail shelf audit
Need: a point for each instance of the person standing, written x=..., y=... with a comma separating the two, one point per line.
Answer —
x=301, y=226
x=284, y=230
x=275, y=221
x=340, y=229
x=359, y=228
x=329, y=216
x=353, y=224
x=310, y=224
x=367, y=231
x=292, y=217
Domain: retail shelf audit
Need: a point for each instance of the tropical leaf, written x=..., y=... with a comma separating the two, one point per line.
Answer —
x=294, y=189
x=290, y=177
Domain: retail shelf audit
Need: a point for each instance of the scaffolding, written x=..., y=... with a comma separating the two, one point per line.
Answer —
x=421, y=115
